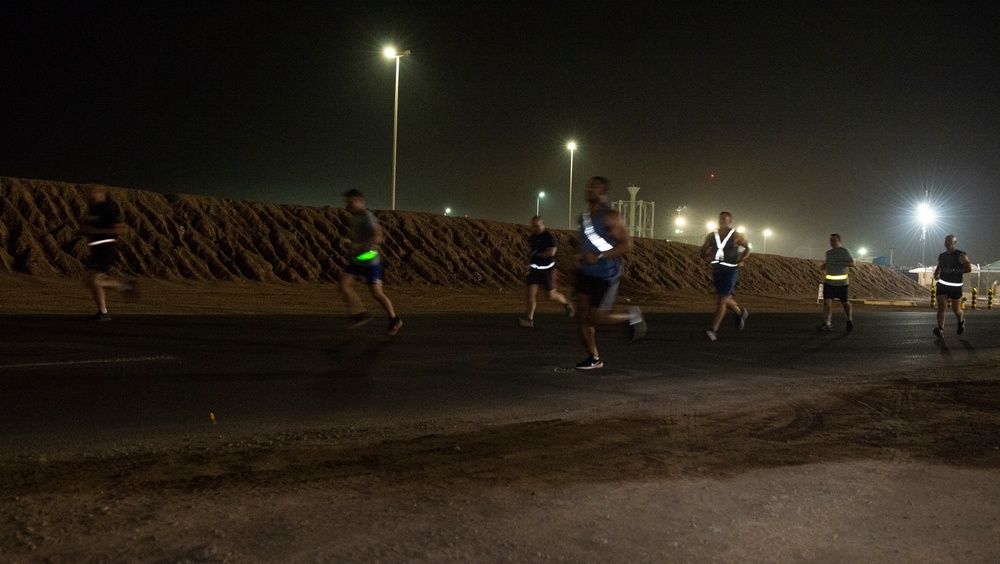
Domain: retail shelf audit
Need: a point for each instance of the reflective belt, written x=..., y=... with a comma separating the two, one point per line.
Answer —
x=101, y=242
x=367, y=255
x=836, y=277
x=720, y=248
x=950, y=283
x=598, y=241
x=543, y=267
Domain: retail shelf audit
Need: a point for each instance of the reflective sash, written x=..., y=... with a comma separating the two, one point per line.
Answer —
x=720, y=248
x=369, y=255
x=949, y=283
x=543, y=267
x=592, y=236
x=836, y=277
x=100, y=242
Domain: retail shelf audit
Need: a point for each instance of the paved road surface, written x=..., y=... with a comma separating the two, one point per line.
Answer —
x=67, y=382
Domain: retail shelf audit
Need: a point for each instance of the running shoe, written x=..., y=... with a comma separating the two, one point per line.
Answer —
x=358, y=319
x=741, y=319
x=589, y=364
x=394, y=325
x=825, y=327
x=637, y=323
x=939, y=332
x=525, y=322
x=99, y=317
x=710, y=334
x=850, y=326
x=570, y=309
x=961, y=327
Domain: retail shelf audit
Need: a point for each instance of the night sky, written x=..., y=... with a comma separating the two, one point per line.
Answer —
x=813, y=117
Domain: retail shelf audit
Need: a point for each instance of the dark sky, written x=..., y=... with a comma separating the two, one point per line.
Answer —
x=814, y=117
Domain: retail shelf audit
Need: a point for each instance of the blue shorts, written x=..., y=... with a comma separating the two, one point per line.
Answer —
x=372, y=273
x=724, y=279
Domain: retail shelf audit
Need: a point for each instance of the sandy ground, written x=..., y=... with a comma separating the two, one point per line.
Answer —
x=885, y=467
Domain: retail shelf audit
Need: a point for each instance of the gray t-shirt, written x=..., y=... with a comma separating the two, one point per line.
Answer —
x=363, y=226
x=837, y=261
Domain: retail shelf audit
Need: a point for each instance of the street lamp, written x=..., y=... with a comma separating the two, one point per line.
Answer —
x=538, y=201
x=712, y=226
x=447, y=211
x=926, y=216
x=392, y=54
x=767, y=233
x=572, y=148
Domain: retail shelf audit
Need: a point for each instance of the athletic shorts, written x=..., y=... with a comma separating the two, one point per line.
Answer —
x=602, y=293
x=724, y=279
x=541, y=277
x=372, y=273
x=831, y=292
x=104, y=257
x=953, y=292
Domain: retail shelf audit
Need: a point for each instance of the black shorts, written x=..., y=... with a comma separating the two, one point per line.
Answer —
x=953, y=292
x=602, y=293
x=541, y=277
x=831, y=292
x=104, y=257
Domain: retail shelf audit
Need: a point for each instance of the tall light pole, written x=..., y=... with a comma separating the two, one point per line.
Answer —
x=392, y=54
x=926, y=216
x=538, y=202
x=572, y=148
x=767, y=233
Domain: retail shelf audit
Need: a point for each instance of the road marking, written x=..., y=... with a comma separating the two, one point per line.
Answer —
x=90, y=361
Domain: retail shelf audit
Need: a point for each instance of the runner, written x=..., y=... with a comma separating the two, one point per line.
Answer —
x=541, y=269
x=722, y=248
x=838, y=262
x=101, y=226
x=952, y=264
x=603, y=241
x=366, y=262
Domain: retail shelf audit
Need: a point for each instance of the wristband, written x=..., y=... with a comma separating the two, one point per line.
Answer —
x=600, y=256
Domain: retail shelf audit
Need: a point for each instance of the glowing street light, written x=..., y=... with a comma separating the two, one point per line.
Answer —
x=767, y=233
x=925, y=215
x=391, y=53
x=447, y=211
x=538, y=201
x=572, y=149
x=680, y=221
x=741, y=229
x=712, y=226
x=862, y=252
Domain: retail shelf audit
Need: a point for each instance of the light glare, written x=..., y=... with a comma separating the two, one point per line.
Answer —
x=390, y=53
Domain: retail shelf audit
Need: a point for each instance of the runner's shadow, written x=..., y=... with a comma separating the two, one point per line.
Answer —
x=355, y=356
x=943, y=347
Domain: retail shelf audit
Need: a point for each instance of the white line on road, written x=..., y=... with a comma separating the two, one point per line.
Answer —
x=89, y=361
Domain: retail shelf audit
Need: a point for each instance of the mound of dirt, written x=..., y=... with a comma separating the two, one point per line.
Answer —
x=176, y=236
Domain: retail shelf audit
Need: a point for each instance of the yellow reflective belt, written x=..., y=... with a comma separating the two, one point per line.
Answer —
x=836, y=277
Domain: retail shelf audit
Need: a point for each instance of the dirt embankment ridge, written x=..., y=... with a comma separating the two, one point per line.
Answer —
x=175, y=236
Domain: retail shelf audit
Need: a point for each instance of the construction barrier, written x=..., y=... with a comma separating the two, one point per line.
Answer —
x=934, y=295
x=989, y=299
x=975, y=297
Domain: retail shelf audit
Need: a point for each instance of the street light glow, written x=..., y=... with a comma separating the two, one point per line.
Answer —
x=447, y=211
x=571, y=145
x=569, y=216
x=389, y=53
x=862, y=251
x=925, y=214
x=768, y=233
x=680, y=222
x=712, y=226
x=741, y=229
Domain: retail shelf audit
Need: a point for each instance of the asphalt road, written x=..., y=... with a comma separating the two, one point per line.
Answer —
x=66, y=382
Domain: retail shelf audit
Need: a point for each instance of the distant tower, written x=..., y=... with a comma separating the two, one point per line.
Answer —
x=637, y=214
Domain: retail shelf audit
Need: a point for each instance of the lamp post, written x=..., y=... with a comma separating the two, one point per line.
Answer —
x=538, y=202
x=572, y=148
x=926, y=216
x=767, y=233
x=392, y=54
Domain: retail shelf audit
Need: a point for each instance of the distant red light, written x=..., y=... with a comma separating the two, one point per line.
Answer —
x=711, y=176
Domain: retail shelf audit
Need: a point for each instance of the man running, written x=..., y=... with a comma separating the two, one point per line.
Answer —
x=541, y=265
x=952, y=264
x=838, y=262
x=722, y=249
x=366, y=262
x=101, y=226
x=603, y=241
